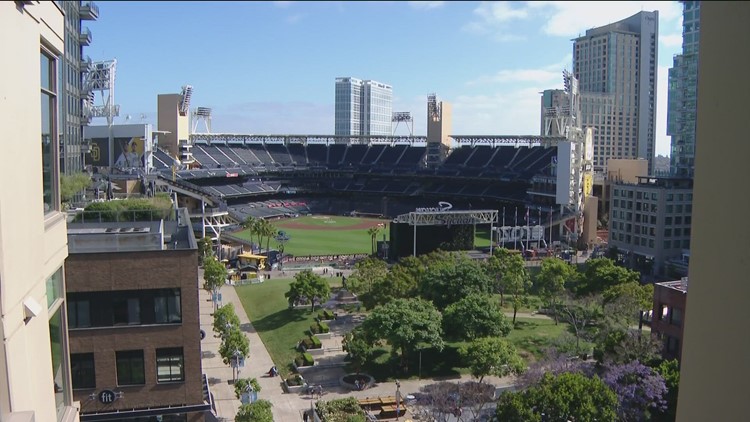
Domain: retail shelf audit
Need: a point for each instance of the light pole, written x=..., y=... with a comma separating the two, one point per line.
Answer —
x=398, y=399
x=281, y=238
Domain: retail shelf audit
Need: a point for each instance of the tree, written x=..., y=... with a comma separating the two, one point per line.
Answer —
x=214, y=275
x=258, y=411
x=514, y=280
x=240, y=386
x=624, y=302
x=404, y=323
x=400, y=282
x=367, y=272
x=496, y=267
x=72, y=184
x=670, y=371
x=639, y=390
x=622, y=345
x=234, y=341
x=373, y=232
x=225, y=319
x=551, y=280
x=565, y=397
x=205, y=248
x=492, y=356
x=601, y=274
x=582, y=315
x=250, y=224
x=307, y=285
x=554, y=362
x=357, y=348
x=446, y=281
x=474, y=316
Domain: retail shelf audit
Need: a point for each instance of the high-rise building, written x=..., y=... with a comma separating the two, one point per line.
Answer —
x=73, y=66
x=34, y=366
x=363, y=107
x=683, y=83
x=616, y=70
x=714, y=368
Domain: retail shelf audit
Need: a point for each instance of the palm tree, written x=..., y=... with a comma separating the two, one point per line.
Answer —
x=249, y=224
x=270, y=231
x=373, y=232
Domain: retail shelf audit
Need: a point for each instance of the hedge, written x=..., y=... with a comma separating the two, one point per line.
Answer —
x=324, y=327
x=304, y=359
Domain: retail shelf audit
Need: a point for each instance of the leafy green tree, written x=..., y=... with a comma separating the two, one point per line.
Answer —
x=235, y=340
x=72, y=184
x=358, y=349
x=565, y=397
x=492, y=356
x=551, y=280
x=622, y=345
x=624, y=302
x=670, y=371
x=445, y=282
x=601, y=274
x=515, y=280
x=474, y=316
x=496, y=267
x=404, y=324
x=241, y=385
x=367, y=273
x=250, y=224
x=214, y=275
x=225, y=319
x=258, y=411
x=400, y=282
x=205, y=248
x=309, y=285
x=582, y=314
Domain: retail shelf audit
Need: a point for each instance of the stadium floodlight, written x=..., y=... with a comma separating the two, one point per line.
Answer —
x=403, y=117
x=187, y=92
x=202, y=114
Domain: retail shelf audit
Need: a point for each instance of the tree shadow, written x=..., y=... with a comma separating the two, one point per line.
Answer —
x=279, y=319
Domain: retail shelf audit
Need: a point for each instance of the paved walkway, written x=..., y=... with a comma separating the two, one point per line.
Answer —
x=286, y=407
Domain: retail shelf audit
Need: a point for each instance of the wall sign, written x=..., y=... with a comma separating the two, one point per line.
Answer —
x=107, y=396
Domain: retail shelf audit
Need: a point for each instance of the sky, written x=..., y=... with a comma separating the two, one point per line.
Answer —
x=270, y=67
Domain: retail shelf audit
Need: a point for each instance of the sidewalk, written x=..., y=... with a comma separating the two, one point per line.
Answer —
x=286, y=407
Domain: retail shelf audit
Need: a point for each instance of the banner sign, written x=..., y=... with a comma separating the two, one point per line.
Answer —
x=511, y=234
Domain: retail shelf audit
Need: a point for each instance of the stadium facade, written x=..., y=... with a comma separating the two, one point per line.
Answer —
x=616, y=68
x=363, y=107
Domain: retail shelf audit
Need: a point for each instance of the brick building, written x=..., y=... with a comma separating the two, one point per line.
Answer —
x=134, y=322
x=669, y=315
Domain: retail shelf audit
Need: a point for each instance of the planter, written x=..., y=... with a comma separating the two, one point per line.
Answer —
x=316, y=352
x=324, y=335
x=294, y=388
x=346, y=381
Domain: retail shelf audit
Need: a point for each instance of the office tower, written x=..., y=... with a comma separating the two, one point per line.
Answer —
x=34, y=368
x=715, y=367
x=72, y=66
x=683, y=81
x=363, y=107
x=616, y=69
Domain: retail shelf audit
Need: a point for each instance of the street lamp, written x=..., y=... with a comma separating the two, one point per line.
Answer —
x=398, y=399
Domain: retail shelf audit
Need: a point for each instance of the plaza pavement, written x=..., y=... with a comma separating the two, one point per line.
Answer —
x=286, y=407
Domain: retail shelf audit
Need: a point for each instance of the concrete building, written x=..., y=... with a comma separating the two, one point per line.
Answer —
x=134, y=323
x=649, y=221
x=73, y=65
x=618, y=171
x=668, y=319
x=616, y=69
x=715, y=368
x=173, y=120
x=363, y=107
x=682, y=94
x=34, y=365
x=439, y=127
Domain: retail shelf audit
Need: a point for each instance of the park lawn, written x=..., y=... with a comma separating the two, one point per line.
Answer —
x=279, y=327
x=532, y=336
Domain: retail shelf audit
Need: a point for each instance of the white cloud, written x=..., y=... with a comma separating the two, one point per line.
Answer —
x=543, y=76
x=571, y=18
x=426, y=5
x=509, y=113
x=493, y=18
x=674, y=40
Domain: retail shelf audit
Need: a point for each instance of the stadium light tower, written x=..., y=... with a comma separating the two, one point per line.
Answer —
x=202, y=114
x=101, y=79
x=403, y=117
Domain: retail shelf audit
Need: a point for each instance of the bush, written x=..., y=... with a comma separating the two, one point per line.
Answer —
x=304, y=359
x=314, y=329
x=326, y=315
x=295, y=380
x=324, y=327
x=310, y=343
x=316, y=343
x=241, y=384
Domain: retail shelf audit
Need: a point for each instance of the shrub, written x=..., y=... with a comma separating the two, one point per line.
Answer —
x=324, y=327
x=316, y=343
x=241, y=384
x=294, y=380
x=341, y=410
x=314, y=329
x=304, y=359
x=326, y=315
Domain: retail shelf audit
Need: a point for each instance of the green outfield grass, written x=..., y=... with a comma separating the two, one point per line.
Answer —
x=304, y=242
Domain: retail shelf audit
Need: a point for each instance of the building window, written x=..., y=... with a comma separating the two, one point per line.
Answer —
x=49, y=130
x=664, y=312
x=124, y=307
x=79, y=314
x=82, y=370
x=676, y=317
x=167, y=307
x=170, y=365
x=130, y=368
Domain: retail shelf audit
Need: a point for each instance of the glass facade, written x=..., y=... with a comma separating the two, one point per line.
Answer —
x=363, y=107
x=48, y=80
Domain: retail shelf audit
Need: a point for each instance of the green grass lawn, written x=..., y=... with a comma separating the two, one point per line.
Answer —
x=532, y=335
x=304, y=242
x=279, y=327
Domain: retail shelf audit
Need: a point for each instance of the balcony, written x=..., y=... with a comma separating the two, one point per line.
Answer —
x=86, y=64
x=84, y=38
x=89, y=11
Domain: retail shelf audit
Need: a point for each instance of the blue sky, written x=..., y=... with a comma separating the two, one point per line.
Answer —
x=269, y=67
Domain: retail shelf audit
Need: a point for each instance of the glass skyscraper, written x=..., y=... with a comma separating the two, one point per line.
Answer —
x=683, y=82
x=363, y=107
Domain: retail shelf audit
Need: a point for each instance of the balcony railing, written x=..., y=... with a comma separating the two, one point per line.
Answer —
x=84, y=38
x=89, y=11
